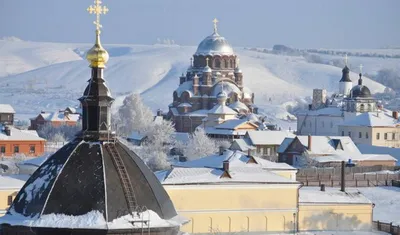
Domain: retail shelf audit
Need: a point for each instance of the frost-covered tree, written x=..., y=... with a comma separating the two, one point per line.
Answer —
x=304, y=161
x=133, y=115
x=61, y=133
x=199, y=145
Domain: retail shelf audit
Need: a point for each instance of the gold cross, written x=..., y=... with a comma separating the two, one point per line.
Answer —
x=215, y=21
x=237, y=62
x=361, y=67
x=97, y=9
x=345, y=59
x=207, y=59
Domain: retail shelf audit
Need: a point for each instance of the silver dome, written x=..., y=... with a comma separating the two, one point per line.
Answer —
x=214, y=45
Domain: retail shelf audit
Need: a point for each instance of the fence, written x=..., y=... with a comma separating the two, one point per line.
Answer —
x=350, y=183
x=348, y=170
x=386, y=227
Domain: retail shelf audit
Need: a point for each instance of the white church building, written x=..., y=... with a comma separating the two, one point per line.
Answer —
x=325, y=114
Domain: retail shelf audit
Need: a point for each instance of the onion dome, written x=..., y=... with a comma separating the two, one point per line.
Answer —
x=238, y=106
x=214, y=45
x=221, y=97
x=207, y=69
x=360, y=91
x=97, y=55
x=238, y=70
x=345, y=74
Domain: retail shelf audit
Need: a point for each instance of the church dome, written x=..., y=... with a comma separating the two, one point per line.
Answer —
x=345, y=74
x=360, y=91
x=97, y=55
x=84, y=177
x=226, y=87
x=214, y=45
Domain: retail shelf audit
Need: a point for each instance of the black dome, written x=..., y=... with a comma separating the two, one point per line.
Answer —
x=345, y=74
x=360, y=91
x=83, y=176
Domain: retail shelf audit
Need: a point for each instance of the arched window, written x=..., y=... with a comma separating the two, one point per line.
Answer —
x=226, y=63
x=362, y=108
x=231, y=63
x=369, y=108
x=217, y=63
x=366, y=135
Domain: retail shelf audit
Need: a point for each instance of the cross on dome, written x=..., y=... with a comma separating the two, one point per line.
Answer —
x=97, y=9
x=215, y=21
x=345, y=59
x=361, y=67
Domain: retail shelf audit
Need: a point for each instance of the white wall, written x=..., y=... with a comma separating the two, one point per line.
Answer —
x=318, y=125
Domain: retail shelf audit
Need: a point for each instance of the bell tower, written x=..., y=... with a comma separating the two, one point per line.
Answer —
x=96, y=100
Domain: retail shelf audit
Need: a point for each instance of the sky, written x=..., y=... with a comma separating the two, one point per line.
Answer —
x=341, y=24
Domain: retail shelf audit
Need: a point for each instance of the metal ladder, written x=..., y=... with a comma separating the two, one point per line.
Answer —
x=123, y=175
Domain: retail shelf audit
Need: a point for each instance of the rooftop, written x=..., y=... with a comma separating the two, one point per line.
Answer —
x=313, y=195
x=6, y=108
x=19, y=135
x=268, y=137
x=372, y=119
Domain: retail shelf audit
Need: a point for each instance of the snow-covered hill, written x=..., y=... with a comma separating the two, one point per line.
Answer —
x=47, y=76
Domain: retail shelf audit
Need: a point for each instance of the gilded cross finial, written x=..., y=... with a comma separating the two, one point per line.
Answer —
x=97, y=9
x=215, y=21
x=345, y=59
x=237, y=62
x=361, y=67
x=207, y=59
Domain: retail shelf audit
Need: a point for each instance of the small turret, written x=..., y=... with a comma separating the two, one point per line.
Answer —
x=196, y=84
x=238, y=74
x=345, y=83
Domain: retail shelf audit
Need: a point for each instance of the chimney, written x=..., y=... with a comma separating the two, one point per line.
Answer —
x=395, y=115
x=42, y=111
x=309, y=143
x=342, y=184
x=323, y=187
x=221, y=150
x=7, y=130
x=249, y=152
x=225, y=165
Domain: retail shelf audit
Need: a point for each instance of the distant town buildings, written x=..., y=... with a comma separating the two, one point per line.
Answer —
x=213, y=69
x=6, y=114
x=69, y=116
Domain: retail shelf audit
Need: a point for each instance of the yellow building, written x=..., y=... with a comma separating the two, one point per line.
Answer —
x=9, y=187
x=380, y=128
x=233, y=192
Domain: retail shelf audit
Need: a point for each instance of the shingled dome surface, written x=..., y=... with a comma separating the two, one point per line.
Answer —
x=82, y=178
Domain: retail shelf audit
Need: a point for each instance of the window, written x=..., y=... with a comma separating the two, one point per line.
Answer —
x=231, y=63
x=362, y=108
x=16, y=148
x=226, y=64
x=385, y=136
x=359, y=135
x=32, y=149
x=349, y=133
x=342, y=133
x=378, y=135
x=366, y=135
x=217, y=63
x=393, y=136
x=2, y=149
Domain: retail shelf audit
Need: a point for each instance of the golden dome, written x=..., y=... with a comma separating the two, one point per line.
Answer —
x=97, y=55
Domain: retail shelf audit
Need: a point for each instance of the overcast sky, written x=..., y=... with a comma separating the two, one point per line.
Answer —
x=258, y=23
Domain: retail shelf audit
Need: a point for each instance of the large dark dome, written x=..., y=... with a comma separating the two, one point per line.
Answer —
x=83, y=177
x=360, y=91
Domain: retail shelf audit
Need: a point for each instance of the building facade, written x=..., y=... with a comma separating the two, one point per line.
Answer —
x=69, y=117
x=214, y=68
x=7, y=113
x=14, y=141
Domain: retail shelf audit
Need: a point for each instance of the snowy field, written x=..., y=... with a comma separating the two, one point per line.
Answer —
x=387, y=203
x=38, y=76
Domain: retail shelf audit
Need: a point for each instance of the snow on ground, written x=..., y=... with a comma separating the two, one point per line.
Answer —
x=387, y=203
x=48, y=76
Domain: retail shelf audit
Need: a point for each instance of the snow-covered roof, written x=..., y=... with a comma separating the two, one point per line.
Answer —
x=325, y=145
x=231, y=124
x=239, y=106
x=6, y=108
x=199, y=113
x=236, y=159
x=372, y=119
x=60, y=116
x=181, y=137
x=12, y=182
x=213, y=130
x=313, y=195
x=243, y=144
x=35, y=161
x=186, y=86
x=356, y=158
x=17, y=134
x=92, y=220
x=328, y=111
x=268, y=137
x=158, y=120
x=221, y=109
x=179, y=175
x=227, y=87
x=184, y=105
x=136, y=136
x=370, y=149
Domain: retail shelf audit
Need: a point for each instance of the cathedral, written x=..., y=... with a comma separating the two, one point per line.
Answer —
x=214, y=69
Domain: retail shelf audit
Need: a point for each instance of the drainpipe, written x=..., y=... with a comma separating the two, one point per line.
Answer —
x=342, y=184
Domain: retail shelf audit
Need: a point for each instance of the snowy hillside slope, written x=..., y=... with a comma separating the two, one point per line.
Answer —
x=50, y=76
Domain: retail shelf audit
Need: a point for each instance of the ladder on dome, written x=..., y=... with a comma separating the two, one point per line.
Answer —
x=123, y=175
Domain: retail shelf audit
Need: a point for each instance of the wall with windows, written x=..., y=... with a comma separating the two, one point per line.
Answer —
x=318, y=125
x=388, y=136
x=28, y=148
x=359, y=134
